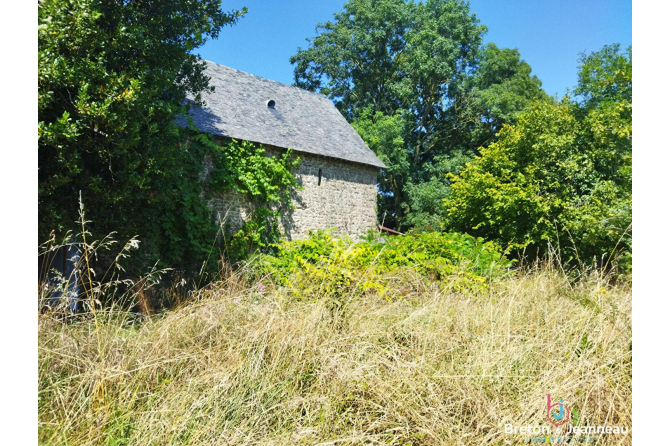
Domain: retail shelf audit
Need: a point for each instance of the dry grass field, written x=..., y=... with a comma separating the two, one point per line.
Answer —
x=244, y=363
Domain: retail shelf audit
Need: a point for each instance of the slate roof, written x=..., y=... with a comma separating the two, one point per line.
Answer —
x=301, y=120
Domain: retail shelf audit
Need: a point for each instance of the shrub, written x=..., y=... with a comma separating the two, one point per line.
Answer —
x=324, y=266
x=561, y=176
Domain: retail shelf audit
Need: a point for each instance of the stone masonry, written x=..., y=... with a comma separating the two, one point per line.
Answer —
x=345, y=199
x=338, y=171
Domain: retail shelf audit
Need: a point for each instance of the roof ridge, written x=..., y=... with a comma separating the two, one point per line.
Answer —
x=265, y=79
x=240, y=108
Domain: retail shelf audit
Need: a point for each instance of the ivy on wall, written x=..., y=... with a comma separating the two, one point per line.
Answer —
x=112, y=78
x=264, y=181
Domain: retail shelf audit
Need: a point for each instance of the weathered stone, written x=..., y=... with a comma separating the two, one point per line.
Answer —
x=335, y=194
x=246, y=107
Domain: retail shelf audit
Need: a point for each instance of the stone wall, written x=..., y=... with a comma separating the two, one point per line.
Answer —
x=345, y=199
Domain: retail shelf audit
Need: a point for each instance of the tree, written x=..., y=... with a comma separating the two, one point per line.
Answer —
x=605, y=76
x=502, y=88
x=498, y=90
x=113, y=77
x=562, y=174
x=356, y=59
x=384, y=135
x=415, y=64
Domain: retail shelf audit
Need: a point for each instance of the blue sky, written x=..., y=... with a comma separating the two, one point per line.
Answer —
x=549, y=34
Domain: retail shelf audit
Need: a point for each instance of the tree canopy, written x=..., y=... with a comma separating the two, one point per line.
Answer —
x=113, y=78
x=423, y=68
x=562, y=174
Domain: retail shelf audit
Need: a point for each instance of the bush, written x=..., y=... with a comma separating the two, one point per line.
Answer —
x=323, y=266
x=561, y=176
x=112, y=78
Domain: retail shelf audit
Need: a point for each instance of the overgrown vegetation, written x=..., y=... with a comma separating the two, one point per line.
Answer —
x=436, y=337
x=414, y=79
x=265, y=181
x=113, y=77
x=259, y=362
x=562, y=174
x=340, y=269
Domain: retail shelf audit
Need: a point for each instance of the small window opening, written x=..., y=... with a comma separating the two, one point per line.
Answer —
x=319, y=177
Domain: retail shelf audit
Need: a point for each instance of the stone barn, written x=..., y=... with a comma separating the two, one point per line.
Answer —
x=338, y=172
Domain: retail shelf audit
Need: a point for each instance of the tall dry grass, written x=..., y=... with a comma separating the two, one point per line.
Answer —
x=247, y=364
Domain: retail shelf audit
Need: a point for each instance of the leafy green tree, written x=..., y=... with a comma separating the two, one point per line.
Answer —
x=113, y=77
x=562, y=174
x=501, y=89
x=417, y=65
x=495, y=93
x=356, y=59
x=605, y=76
x=384, y=135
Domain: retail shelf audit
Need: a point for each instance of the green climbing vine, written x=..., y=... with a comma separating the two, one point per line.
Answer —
x=266, y=181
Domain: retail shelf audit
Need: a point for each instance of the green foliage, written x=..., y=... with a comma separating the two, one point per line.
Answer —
x=324, y=266
x=384, y=135
x=113, y=77
x=421, y=90
x=425, y=200
x=501, y=89
x=266, y=182
x=514, y=191
x=562, y=174
x=606, y=76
